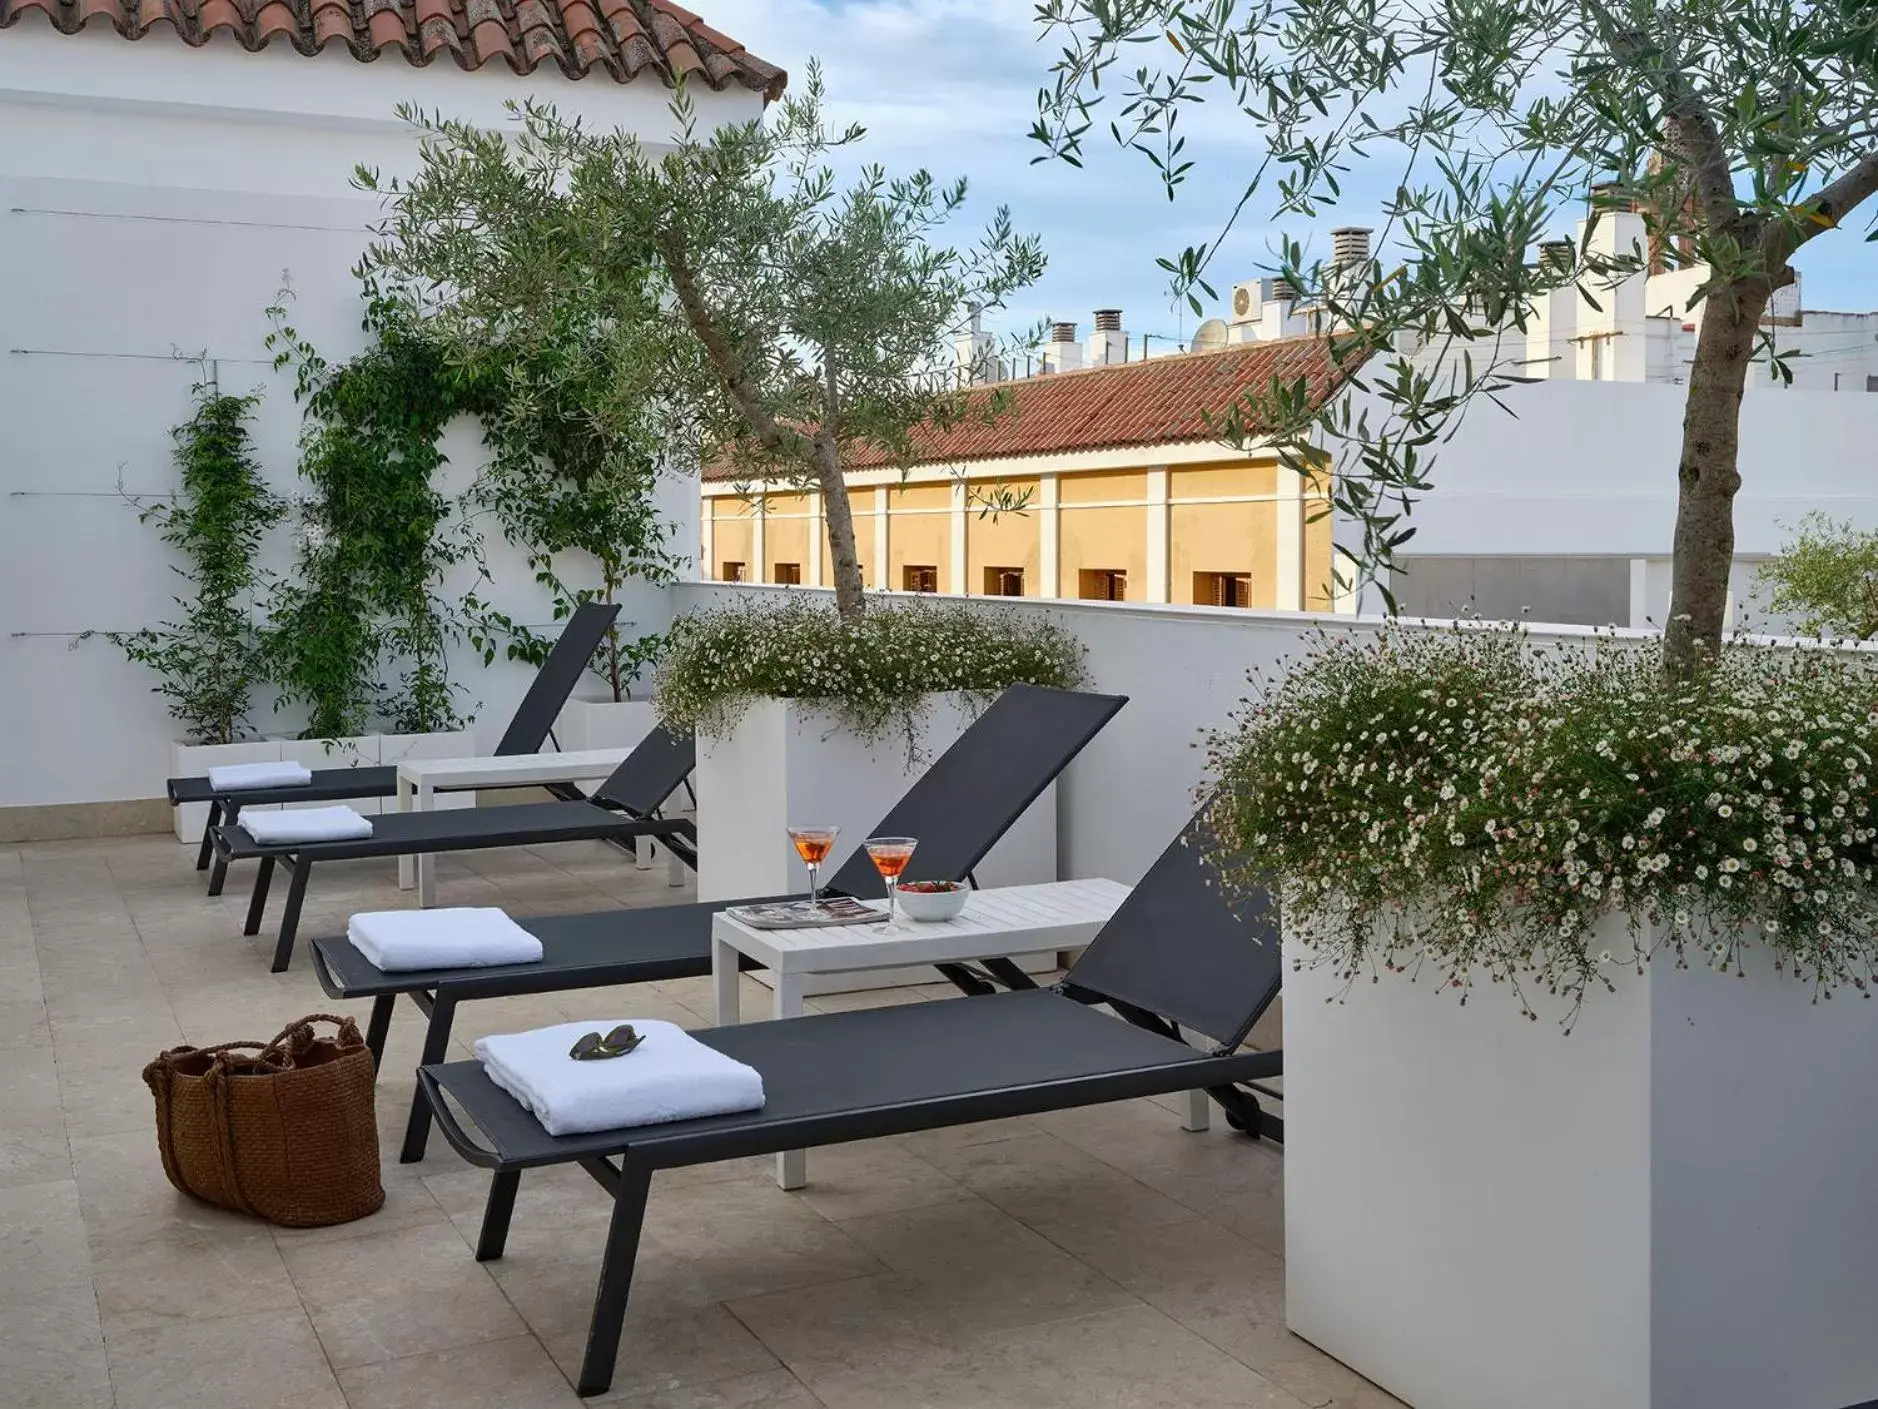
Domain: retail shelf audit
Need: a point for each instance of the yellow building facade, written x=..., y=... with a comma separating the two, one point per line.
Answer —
x=1244, y=532
x=1174, y=517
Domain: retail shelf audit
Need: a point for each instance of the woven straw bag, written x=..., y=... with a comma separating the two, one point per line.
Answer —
x=285, y=1130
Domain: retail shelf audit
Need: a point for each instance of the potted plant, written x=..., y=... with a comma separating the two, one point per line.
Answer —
x=209, y=660
x=801, y=716
x=1577, y=1022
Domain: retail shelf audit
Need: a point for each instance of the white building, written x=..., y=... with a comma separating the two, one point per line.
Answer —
x=160, y=182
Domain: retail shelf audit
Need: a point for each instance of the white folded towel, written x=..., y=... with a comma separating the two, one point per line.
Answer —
x=234, y=777
x=668, y=1076
x=305, y=824
x=464, y=937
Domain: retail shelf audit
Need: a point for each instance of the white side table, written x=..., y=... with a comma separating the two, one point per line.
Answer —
x=1010, y=920
x=421, y=779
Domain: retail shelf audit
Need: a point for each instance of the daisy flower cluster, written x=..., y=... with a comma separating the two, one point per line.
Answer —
x=870, y=674
x=1474, y=802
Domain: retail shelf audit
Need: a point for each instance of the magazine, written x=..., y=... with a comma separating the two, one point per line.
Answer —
x=802, y=915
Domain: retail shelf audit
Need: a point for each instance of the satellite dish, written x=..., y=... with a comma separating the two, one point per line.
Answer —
x=1210, y=336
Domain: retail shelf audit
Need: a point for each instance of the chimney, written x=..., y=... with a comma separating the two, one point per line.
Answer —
x=1349, y=246
x=1108, y=344
x=1558, y=254
x=1064, y=353
x=976, y=352
x=1284, y=291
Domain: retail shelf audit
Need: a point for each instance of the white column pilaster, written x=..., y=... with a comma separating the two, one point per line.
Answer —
x=1157, y=588
x=707, y=541
x=883, y=573
x=818, y=530
x=961, y=498
x=1050, y=536
x=1288, y=571
x=759, y=569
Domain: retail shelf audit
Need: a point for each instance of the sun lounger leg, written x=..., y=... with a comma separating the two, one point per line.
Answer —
x=290, y=917
x=219, y=873
x=616, y=1277
x=496, y=1214
x=379, y=1028
x=208, y=834
x=436, y=1044
x=257, y=903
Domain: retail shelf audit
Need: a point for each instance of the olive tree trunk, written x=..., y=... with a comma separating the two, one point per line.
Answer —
x=838, y=514
x=1709, y=475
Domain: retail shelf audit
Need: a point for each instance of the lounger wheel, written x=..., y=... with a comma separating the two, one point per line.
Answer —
x=1242, y=1109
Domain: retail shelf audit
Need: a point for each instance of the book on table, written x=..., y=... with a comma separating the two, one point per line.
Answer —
x=803, y=914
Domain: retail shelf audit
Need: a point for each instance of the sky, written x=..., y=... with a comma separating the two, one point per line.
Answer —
x=951, y=85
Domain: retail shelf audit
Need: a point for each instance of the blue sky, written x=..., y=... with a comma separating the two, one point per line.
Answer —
x=951, y=85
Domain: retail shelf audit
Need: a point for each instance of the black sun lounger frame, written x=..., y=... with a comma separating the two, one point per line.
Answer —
x=625, y=806
x=959, y=808
x=530, y=727
x=1174, y=950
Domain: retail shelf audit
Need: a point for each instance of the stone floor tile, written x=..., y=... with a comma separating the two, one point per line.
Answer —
x=51, y=1347
x=155, y=1275
x=261, y=1360
x=773, y=1389
x=33, y=1148
x=750, y=1238
x=508, y=1374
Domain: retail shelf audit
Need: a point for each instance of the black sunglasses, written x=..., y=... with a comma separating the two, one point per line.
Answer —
x=592, y=1047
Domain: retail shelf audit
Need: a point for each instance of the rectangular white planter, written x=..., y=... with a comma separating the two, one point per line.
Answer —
x=194, y=761
x=451, y=743
x=1671, y=1207
x=603, y=724
x=358, y=751
x=786, y=761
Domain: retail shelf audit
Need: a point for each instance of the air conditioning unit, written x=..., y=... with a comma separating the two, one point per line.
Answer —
x=1248, y=301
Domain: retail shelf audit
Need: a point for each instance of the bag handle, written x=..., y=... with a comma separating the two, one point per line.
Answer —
x=297, y=1036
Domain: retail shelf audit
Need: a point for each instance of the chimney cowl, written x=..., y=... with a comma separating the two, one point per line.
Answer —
x=1558, y=254
x=1108, y=320
x=1062, y=332
x=1284, y=291
x=1349, y=244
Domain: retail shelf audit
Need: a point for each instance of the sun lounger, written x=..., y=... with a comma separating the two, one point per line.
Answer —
x=1174, y=960
x=529, y=728
x=958, y=808
x=627, y=805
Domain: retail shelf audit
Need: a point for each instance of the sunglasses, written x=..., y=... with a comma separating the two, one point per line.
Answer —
x=592, y=1047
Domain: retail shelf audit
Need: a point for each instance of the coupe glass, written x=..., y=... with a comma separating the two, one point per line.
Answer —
x=890, y=855
x=813, y=845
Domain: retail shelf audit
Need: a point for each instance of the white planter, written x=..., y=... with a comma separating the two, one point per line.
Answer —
x=1671, y=1207
x=450, y=743
x=787, y=762
x=194, y=761
x=358, y=751
x=602, y=724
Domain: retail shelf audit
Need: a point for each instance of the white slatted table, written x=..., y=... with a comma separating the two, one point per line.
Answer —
x=1009, y=920
x=420, y=780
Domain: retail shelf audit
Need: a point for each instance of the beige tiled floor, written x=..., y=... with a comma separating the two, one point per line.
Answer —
x=1090, y=1258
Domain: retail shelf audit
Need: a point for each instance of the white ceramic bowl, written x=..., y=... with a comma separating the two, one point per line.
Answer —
x=932, y=904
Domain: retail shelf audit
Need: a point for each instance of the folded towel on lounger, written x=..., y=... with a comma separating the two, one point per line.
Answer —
x=464, y=937
x=235, y=777
x=305, y=824
x=668, y=1076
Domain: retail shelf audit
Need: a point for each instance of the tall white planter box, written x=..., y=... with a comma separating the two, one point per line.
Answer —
x=449, y=743
x=194, y=761
x=1674, y=1206
x=357, y=751
x=603, y=724
x=787, y=761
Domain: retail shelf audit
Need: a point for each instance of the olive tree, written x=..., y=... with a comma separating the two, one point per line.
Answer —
x=1826, y=574
x=761, y=310
x=1742, y=129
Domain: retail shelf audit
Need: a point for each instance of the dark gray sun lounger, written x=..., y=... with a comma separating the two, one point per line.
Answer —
x=529, y=728
x=958, y=808
x=1174, y=958
x=626, y=805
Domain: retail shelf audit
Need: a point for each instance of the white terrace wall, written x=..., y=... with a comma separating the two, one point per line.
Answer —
x=1587, y=471
x=153, y=200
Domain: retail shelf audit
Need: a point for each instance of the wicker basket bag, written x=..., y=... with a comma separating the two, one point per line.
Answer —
x=285, y=1130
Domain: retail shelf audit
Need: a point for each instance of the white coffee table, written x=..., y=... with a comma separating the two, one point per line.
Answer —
x=1010, y=920
x=420, y=780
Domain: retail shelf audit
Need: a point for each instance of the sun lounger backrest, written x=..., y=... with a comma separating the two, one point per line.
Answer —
x=974, y=791
x=1179, y=947
x=651, y=773
x=555, y=681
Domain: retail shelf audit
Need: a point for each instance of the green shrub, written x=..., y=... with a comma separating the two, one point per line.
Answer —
x=1471, y=804
x=869, y=673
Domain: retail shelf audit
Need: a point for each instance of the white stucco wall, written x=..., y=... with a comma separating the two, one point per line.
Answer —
x=153, y=200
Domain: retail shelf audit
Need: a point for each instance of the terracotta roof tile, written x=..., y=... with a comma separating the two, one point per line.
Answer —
x=572, y=35
x=1157, y=402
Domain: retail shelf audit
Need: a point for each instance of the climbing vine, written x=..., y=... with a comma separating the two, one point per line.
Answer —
x=376, y=539
x=208, y=661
